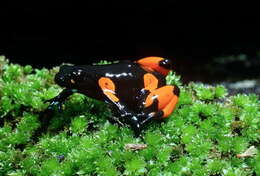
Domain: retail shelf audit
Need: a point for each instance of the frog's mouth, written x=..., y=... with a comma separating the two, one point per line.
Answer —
x=63, y=77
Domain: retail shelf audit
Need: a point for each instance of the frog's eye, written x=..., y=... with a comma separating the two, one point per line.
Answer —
x=166, y=63
x=154, y=63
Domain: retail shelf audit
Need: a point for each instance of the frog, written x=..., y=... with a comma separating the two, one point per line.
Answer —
x=136, y=91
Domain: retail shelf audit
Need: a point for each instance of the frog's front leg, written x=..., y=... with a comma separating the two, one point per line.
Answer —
x=125, y=114
x=60, y=99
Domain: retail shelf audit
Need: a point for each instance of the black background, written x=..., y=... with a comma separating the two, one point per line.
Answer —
x=189, y=33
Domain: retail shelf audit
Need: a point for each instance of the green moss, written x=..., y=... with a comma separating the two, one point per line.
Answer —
x=202, y=137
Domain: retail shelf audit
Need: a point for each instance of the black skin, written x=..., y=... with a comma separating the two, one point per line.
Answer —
x=128, y=79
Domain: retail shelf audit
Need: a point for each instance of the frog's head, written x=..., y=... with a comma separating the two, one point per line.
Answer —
x=157, y=64
x=67, y=76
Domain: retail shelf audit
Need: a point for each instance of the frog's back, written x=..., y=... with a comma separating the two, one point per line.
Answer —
x=119, y=72
x=127, y=78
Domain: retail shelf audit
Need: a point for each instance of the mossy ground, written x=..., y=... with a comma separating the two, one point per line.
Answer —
x=210, y=133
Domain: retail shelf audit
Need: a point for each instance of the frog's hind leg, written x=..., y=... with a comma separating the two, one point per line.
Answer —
x=160, y=103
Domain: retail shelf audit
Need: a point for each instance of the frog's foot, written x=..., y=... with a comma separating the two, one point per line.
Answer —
x=133, y=120
x=127, y=119
x=59, y=100
x=115, y=120
x=55, y=102
x=136, y=126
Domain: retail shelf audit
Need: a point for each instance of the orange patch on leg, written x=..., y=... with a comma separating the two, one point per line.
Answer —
x=106, y=83
x=167, y=100
x=108, y=88
x=170, y=107
x=111, y=96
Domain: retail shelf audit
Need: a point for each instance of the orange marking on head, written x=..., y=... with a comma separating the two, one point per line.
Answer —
x=152, y=64
x=108, y=88
x=150, y=82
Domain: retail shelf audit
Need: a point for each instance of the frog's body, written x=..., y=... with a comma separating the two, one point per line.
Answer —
x=136, y=91
x=127, y=78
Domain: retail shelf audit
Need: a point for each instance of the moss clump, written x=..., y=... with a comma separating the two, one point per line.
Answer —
x=203, y=136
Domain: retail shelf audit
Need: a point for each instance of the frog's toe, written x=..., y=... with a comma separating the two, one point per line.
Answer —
x=137, y=128
x=54, y=103
x=116, y=120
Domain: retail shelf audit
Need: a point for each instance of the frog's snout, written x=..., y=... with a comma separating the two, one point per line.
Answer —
x=63, y=76
x=59, y=79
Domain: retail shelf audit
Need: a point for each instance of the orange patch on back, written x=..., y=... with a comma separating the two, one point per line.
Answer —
x=108, y=88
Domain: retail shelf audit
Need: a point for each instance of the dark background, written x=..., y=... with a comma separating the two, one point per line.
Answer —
x=192, y=35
